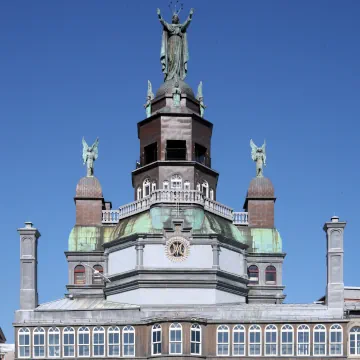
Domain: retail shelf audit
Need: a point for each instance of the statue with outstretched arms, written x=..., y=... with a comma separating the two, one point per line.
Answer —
x=174, y=53
x=258, y=154
x=90, y=154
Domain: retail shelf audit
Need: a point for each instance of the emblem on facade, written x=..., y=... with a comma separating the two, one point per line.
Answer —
x=177, y=248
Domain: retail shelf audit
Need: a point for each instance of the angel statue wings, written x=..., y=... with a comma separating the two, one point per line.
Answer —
x=90, y=154
x=258, y=154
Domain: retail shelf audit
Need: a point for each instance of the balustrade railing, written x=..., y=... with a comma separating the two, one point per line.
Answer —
x=240, y=218
x=174, y=197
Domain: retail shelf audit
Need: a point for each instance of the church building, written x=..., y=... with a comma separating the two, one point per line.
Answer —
x=177, y=273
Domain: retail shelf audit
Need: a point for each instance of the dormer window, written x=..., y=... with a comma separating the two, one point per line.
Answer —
x=176, y=182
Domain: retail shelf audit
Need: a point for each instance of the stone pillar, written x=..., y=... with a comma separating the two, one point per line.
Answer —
x=28, y=266
x=139, y=255
x=335, y=263
x=216, y=256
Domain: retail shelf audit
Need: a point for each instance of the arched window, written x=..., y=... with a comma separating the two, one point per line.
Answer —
x=146, y=187
x=96, y=277
x=195, y=339
x=319, y=340
x=79, y=275
x=198, y=187
x=24, y=343
x=270, y=275
x=138, y=193
x=165, y=185
x=187, y=185
x=114, y=341
x=354, y=343
x=99, y=341
x=254, y=340
x=303, y=340
x=239, y=340
x=54, y=342
x=212, y=194
x=336, y=340
x=271, y=340
x=176, y=182
x=128, y=341
x=222, y=341
x=175, y=339
x=69, y=342
x=205, y=188
x=83, y=342
x=156, y=339
x=253, y=274
x=39, y=342
x=287, y=340
x=153, y=186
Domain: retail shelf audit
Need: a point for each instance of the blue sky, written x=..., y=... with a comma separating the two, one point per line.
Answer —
x=286, y=71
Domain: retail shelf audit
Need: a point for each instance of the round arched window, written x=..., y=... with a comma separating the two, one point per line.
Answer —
x=270, y=275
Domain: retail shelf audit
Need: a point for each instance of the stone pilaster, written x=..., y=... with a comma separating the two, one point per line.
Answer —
x=335, y=263
x=28, y=266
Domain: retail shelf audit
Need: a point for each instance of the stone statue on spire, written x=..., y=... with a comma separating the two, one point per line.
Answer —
x=149, y=98
x=174, y=53
x=258, y=154
x=200, y=98
x=90, y=154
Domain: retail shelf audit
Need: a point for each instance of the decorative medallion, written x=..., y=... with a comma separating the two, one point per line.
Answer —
x=177, y=248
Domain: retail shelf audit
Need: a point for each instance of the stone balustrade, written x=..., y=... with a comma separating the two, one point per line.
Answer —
x=174, y=197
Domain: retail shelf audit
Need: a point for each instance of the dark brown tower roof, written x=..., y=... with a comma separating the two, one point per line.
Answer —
x=261, y=187
x=89, y=187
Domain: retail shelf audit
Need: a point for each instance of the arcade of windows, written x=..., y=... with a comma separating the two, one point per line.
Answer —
x=270, y=275
x=176, y=183
x=80, y=277
x=272, y=340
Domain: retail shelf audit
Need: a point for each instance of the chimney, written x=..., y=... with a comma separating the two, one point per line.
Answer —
x=28, y=266
x=335, y=263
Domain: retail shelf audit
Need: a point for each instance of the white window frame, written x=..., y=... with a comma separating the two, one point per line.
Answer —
x=222, y=329
x=321, y=330
x=24, y=332
x=114, y=330
x=196, y=328
x=68, y=331
x=205, y=185
x=98, y=330
x=138, y=193
x=81, y=347
x=255, y=329
x=176, y=182
x=40, y=332
x=239, y=329
x=146, y=185
x=175, y=327
x=154, y=344
x=354, y=333
x=153, y=186
x=336, y=328
x=53, y=331
x=306, y=345
x=257, y=279
x=271, y=329
x=166, y=185
x=128, y=330
x=211, y=194
x=198, y=187
x=287, y=329
x=187, y=185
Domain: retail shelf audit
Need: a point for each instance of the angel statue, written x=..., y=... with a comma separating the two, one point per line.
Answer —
x=200, y=98
x=174, y=54
x=149, y=97
x=258, y=154
x=90, y=154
